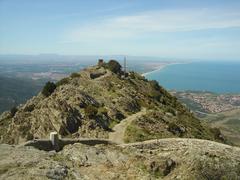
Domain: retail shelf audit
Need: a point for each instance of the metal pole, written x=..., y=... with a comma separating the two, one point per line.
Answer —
x=125, y=66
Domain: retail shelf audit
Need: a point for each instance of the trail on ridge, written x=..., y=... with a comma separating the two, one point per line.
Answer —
x=117, y=135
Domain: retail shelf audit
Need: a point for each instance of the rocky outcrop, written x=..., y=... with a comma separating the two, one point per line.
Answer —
x=155, y=159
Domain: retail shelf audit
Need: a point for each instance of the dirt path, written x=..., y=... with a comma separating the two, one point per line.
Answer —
x=117, y=135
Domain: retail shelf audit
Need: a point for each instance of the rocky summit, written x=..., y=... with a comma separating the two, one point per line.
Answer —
x=119, y=107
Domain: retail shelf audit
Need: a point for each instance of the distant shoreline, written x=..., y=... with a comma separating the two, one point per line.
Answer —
x=159, y=68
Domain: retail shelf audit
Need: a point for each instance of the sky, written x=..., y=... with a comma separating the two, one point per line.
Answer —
x=206, y=29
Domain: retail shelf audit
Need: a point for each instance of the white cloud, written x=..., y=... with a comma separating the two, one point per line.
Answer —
x=155, y=21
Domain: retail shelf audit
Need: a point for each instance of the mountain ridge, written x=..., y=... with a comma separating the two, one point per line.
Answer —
x=89, y=103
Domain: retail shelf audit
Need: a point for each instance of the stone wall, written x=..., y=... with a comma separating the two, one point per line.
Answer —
x=46, y=145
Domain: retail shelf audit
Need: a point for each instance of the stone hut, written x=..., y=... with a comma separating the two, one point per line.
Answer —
x=100, y=62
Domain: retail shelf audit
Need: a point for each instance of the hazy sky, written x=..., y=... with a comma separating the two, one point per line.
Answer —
x=207, y=29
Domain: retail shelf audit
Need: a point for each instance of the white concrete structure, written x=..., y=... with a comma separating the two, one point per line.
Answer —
x=54, y=138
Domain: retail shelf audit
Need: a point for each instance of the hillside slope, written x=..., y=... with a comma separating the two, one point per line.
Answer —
x=228, y=122
x=91, y=102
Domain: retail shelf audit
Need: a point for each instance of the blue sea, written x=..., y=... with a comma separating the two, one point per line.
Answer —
x=219, y=77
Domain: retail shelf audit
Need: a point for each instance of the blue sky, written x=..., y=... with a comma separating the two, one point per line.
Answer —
x=209, y=29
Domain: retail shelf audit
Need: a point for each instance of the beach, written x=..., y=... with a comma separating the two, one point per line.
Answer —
x=159, y=67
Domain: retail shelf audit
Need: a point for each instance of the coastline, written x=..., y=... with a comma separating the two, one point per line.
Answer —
x=159, y=68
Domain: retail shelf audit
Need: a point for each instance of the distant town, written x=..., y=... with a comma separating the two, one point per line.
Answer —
x=208, y=102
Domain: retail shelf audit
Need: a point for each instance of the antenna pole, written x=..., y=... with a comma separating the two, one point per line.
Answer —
x=125, y=66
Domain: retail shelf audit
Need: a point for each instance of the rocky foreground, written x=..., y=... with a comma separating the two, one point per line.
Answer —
x=173, y=158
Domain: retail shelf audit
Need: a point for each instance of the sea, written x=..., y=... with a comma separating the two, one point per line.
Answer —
x=212, y=76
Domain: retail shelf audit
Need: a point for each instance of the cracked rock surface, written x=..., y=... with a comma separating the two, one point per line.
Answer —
x=172, y=158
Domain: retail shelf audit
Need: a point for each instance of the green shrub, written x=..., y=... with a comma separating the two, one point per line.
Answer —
x=175, y=129
x=29, y=108
x=147, y=104
x=30, y=136
x=62, y=82
x=155, y=94
x=91, y=111
x=119, y=115
x=217, y=133
x=113, y=123
x=48, y=89
x=113, y=66
x=75, y=75
x=132, y=75
x=13, y=111
x=134, y=133
x=154, y=84
x=102, y=110
x=170, y=110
